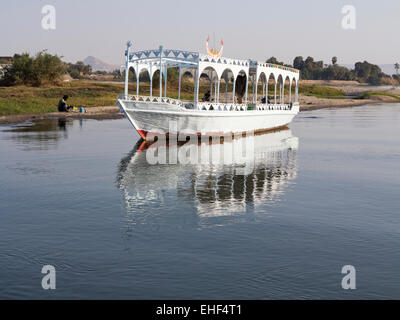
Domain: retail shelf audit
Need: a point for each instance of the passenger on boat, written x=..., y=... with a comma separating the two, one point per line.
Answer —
x=206, y=96
x=62, y=105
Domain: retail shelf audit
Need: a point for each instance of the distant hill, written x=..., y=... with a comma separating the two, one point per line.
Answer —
x=98, y=65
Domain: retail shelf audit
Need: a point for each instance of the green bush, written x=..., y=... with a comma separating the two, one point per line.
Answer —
x=369, y=94
x=33, y=71
x=320, y=91
x=77, y=70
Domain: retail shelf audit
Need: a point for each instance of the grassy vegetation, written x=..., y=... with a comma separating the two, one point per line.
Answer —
x=369, y=94
x=23, y=99
x=321, y=91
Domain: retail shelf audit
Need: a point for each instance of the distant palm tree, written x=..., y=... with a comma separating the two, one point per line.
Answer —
x=397, y=67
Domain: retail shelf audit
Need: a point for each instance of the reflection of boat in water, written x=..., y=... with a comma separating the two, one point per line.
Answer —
x=215, y=189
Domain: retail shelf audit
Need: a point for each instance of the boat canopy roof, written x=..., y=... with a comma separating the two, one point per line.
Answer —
x=151, y=60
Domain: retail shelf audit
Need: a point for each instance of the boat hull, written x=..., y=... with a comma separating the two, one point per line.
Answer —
x=156, y=119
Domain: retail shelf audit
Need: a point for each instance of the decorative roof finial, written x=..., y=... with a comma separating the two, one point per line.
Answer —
x=212, y=52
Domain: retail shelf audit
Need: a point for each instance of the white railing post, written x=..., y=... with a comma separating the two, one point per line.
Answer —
x=179, y=83
x=247, y=87
x=161, y=49
x=137, y=78
x=215, y=89
x=256, y=84
x=197, y=76
x=233, y=90
x=165, y=81
x=218, y=85
x=211, y=85
x=128, y=45
x=263, y=87
x=151, y=80
x=226, y=89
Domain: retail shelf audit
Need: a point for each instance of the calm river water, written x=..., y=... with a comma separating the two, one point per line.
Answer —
x=81, y=196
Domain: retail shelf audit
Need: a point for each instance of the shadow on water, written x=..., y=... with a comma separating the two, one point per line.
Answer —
x=41, y=134
x=221, y=192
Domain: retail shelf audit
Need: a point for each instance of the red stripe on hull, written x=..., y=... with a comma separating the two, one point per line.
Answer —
x=144, y=134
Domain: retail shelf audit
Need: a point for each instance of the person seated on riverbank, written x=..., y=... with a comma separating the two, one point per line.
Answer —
x=62, y=105
x=263, y=100
x=206, y=96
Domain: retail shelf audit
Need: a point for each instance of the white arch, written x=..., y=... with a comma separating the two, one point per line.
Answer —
x=141, y=70
x=258, y=77
x=134, y=67
x=287, y=77
x=234, y=83
x=153, y=70
x=201, y=71
x=226, y=78
x=275, y=84
x=279, y=80
x=212, y=69
x=296, y=95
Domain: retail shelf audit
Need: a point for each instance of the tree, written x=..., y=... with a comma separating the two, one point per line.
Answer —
x=334, y=60
x=274, y=61
x=396, y=77
x=20, y=72
x=117, y=74
x=397, y=67
x=298, y=63
x=309, y=68
x=368, y=72
x=47, y=67
x=374, y=80
x=33, y=71
x=78, y=70
x=336, y=72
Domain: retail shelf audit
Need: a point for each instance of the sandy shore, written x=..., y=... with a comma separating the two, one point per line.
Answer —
x=312, y=103
x=112, y=112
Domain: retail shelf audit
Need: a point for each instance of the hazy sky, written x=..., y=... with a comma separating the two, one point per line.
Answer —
x=250, y=29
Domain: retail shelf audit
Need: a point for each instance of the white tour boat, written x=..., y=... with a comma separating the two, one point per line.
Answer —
x=214, y=114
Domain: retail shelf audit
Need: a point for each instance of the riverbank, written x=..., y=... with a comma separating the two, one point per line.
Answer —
x=113, y=112
x=21, y=104
x=308, y=103
x=98, y=113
